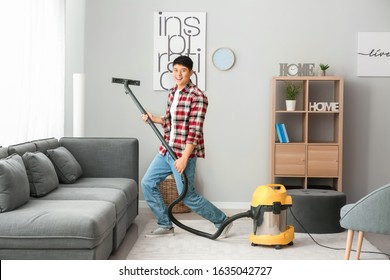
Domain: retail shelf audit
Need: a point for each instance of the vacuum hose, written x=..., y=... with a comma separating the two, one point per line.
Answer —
x=248, y=214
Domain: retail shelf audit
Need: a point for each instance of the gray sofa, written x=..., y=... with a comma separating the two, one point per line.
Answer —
x=72, y=198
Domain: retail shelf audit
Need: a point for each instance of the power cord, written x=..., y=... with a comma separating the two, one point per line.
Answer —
x=332, y=248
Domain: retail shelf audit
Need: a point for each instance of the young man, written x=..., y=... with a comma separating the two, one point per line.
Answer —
x=183, y=131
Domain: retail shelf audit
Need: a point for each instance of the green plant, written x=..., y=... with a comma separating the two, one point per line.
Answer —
x=292, y=90
x=324, y=66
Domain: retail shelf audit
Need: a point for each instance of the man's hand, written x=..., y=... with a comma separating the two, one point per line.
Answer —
x=154, y=119
x=181, y=164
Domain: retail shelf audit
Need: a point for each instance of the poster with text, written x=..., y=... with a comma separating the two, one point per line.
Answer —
x=373, y=56
x=175, y=34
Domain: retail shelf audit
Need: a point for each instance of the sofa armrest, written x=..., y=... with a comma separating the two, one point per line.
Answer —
x=105, y=157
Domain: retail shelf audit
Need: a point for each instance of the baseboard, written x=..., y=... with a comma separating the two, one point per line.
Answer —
x=219, y=204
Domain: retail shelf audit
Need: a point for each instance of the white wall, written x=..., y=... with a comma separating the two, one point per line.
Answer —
x=262, y=33
x=74, y=53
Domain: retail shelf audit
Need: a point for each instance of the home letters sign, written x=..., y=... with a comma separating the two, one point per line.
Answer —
x=324, y=106
x=296, y=69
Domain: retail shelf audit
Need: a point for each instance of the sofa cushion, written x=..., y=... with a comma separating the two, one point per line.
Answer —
x=62, y=224
x=14, y=187
x=66, y=166
x=41, y=173
x=3, y=152
x=21, y=148
x=116, y=197
x=127, y=186
x=43, y=145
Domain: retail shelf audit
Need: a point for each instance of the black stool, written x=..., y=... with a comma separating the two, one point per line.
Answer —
x=317, y=210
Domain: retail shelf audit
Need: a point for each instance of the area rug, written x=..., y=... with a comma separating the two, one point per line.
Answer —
x=186, y=246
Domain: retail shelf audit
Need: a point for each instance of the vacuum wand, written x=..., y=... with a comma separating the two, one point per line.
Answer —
x=126, y=83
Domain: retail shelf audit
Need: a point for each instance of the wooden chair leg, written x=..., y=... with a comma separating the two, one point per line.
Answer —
x=349, y=244
x=359, y=244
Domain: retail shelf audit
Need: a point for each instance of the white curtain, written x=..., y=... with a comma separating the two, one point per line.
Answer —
x=32, y=70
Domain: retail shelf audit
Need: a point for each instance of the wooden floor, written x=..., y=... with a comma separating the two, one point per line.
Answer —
x=382, y=242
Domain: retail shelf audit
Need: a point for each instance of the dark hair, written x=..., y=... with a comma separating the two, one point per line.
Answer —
x=185, y=61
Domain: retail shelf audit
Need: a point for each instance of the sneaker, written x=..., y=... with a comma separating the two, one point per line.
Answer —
x=159, y=232
x=225, y=232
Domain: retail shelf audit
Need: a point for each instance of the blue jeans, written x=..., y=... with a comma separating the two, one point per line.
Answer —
x=159, y=169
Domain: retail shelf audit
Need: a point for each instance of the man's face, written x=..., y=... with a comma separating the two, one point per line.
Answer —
x=181, y=75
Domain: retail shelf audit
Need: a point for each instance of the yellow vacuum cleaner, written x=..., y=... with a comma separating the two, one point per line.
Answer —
x=269, y=205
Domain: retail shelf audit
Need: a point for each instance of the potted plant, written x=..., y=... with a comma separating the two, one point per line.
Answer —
x=323, y=68
x=292, y=92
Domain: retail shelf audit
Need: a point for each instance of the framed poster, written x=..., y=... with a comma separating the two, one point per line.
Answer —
x=373, y=56
x=175, y=34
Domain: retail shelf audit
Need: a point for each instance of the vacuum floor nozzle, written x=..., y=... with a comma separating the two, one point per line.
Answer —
x=123, y=81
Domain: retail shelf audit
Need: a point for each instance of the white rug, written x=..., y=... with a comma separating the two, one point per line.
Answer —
x=187, y=246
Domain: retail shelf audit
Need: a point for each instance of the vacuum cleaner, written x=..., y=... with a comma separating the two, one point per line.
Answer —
x=266, y=222
x=269, y=213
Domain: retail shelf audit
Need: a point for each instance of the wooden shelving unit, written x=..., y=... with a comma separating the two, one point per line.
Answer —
x=313, y=157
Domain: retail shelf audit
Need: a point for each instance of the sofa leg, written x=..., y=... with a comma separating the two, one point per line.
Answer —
x=349, y=244
x=359, y=244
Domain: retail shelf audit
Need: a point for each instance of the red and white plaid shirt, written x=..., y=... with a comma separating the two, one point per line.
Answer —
x=189, y=118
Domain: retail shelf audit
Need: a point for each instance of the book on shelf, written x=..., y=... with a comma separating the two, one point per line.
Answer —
x=278, y=133
x=282, y=133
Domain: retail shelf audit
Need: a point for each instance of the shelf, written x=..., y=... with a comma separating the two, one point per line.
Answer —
x=313, y=157
x=304, y=112
x=323, y=143
x=290, y=112
x=310, y=143
x=320, y=112
x=308, y=78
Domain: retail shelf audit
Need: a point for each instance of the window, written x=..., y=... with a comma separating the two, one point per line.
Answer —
x=32, y=70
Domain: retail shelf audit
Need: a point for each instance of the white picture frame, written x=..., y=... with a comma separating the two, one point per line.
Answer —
x=175, y=34
x=373, y=54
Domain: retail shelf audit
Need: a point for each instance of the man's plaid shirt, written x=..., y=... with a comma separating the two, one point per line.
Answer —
x=189, y=118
